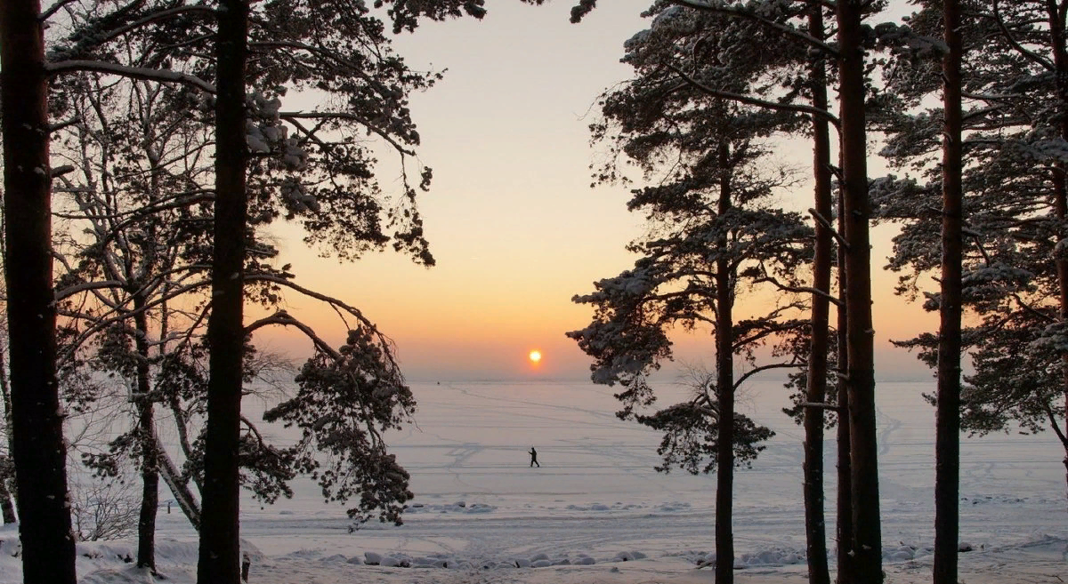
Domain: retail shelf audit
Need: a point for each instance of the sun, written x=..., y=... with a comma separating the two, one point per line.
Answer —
x=535, y=356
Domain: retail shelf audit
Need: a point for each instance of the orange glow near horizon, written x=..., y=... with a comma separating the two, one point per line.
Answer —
x=514, y=227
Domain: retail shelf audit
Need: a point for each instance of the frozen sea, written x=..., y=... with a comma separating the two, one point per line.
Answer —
x=596, y=511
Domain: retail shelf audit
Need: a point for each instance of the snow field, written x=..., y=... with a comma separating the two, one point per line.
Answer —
x=597, y=511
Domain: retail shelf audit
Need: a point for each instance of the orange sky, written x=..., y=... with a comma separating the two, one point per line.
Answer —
x=511, y=218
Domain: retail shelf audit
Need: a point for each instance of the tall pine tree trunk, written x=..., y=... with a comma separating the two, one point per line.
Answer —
x=146, y=432
x=39, y=453
x=947, y=439
x=844, y=504
x=724, y=390
x=867, y=534
x=816, y=381
x=220, y=556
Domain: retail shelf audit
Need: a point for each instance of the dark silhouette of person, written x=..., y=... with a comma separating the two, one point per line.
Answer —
x=534, y=457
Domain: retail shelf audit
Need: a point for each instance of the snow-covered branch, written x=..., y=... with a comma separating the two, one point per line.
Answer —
x=820, y=405
x=182, y=495
x=351, y=310
x=1023, y=51
x=86, y=286
x=762, y=103
x=144, y=73
x=51, y=10
x=826, y=223
x=153, y=17
x=291, y=116
x=283, y=318
x=744, y=377
x=725, y=9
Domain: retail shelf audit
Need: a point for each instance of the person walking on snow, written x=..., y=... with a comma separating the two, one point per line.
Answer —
x=534, y=457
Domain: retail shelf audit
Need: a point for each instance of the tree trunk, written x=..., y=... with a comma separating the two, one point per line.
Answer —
x=1060, y=207
x=1060, y=179
x=220, y=556
x=724, y=391
x=179, y=488
x=816, y=381
x=845, y=473
x=39, y=453
x=867, y=535
x=7, y=508
x=947, y=440
x=146, y=432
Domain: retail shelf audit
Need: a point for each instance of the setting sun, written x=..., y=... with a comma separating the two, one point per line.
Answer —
x=535, y=356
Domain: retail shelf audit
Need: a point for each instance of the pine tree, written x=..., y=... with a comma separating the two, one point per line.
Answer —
x=947, y=447
x=1013, y=185
x=712, y=230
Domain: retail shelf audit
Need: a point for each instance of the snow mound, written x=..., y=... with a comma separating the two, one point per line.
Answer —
x=765, y=558
x=127, y=575
x=776, y=556
x=597, y=506
x=673, y=507
x=448, y=561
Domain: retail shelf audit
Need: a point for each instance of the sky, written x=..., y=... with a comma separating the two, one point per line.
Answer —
x=511, y=218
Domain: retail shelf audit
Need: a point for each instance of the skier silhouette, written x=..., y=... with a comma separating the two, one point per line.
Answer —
x=534, y=457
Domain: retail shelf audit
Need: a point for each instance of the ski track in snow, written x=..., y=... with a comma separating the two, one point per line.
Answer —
x=481, y=510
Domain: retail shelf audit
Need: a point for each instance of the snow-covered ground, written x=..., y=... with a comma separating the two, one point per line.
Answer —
x=596, y=511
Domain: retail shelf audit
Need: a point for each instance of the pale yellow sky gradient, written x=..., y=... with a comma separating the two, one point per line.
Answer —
x=514, y=225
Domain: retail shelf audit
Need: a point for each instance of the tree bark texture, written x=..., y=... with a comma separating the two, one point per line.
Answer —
x=867, y=534
x=39, y=453
x=220, y=556
x=947, y=425
x=724, y=391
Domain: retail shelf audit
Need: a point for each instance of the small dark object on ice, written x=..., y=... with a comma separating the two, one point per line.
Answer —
x=246, y=563
x=965, y=547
